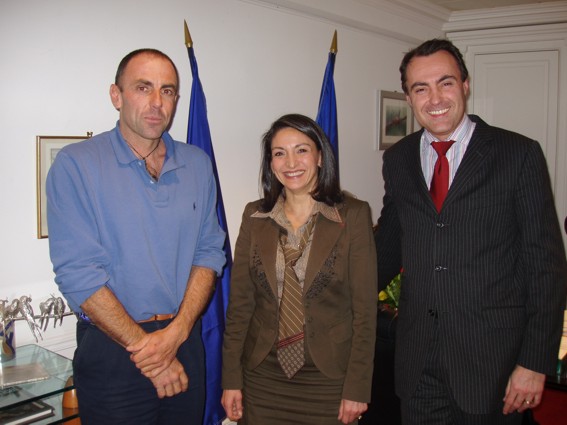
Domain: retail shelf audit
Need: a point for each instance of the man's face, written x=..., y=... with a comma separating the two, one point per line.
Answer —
x=146, y=98
x=436, y=93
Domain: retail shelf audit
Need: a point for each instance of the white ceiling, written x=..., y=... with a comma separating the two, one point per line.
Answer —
x=459, y=5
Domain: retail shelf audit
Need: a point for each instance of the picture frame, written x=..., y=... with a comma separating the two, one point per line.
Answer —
x=394, y=118
x=47, y=148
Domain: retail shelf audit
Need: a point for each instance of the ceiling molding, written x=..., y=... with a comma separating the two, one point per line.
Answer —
x=514, y=37
x=416, y=10
x=502, y=17
x=413, y=21
x=390, y=18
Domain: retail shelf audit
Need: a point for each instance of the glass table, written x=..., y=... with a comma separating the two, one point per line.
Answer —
x=48, y=390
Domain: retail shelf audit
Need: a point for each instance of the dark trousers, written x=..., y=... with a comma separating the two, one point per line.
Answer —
x=433, y=403
x=384, y=406
x=111, y=390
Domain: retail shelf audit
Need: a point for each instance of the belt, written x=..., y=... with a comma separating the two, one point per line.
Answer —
x=157, y=317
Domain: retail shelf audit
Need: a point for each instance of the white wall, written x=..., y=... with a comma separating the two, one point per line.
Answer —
x=256, y=62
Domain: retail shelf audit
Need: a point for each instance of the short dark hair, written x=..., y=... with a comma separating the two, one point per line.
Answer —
x=126, y=60
x=428, y=48
x=327, y=190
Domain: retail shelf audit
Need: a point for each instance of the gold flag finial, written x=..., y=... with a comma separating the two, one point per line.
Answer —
x=334, y=48
x=188, y=40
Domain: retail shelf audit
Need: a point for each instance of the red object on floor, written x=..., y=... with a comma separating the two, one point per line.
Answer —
x=553, y=408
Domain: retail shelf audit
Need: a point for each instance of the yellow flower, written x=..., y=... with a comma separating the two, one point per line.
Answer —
x=391, y=294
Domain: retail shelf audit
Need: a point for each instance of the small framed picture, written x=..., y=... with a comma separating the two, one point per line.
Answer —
x=47, y=148
x=394, y=118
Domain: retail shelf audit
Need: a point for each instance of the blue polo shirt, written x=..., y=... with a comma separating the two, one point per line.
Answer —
x=110, y=224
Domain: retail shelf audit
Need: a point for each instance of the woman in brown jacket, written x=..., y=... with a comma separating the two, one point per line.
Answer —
x=300, y=327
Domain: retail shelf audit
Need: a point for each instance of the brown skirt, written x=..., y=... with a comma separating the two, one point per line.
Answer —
x=309, y=398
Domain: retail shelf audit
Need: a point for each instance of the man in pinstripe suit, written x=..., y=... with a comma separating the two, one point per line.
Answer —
x=483, y=289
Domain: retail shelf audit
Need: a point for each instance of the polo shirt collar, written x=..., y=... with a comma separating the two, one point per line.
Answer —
x=124, y=154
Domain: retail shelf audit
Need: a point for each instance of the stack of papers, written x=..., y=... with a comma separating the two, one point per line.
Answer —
x=20, y=374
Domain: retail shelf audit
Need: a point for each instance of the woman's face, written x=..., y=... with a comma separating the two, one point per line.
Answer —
x=295, y=161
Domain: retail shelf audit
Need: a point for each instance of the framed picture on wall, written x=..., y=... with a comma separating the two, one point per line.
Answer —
x=394, y=118
x=47, y=148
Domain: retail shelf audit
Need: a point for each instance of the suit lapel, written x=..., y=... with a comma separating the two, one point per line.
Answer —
x=415, y=170
x=326, y=234
x=474, y=159
x=268, y=232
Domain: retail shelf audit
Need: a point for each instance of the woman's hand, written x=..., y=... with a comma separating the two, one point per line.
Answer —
x=351, y=410
x=232, y=403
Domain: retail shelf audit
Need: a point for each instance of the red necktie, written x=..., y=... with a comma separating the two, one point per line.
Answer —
x=440, y=182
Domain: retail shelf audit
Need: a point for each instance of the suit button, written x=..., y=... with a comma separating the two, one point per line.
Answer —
x=440, y=268
x=309, y=319
x=432, y=312
x=440, y=225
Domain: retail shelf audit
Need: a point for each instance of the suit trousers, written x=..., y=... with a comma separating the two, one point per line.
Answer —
x=111, y=390
x=433, y=403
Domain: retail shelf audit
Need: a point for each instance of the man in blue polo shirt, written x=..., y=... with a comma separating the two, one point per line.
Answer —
x=136, y=247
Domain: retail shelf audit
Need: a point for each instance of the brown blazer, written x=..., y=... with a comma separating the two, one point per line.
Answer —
x=339, y=297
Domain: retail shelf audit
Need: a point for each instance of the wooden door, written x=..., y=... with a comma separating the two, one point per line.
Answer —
x=519, y=91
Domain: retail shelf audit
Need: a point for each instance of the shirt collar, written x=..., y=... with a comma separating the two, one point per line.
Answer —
x=278, y=215
x=123, y=152
x=458, y=135
x=125, y=155
x=461, y=135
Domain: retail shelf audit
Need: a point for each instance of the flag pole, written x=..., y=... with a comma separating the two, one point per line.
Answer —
x=333, y=48
x=327, y=113
x=199, y=134
x=189, y=40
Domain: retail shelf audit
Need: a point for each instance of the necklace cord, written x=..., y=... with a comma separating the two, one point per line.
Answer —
x=142, y=157
x=149, y=169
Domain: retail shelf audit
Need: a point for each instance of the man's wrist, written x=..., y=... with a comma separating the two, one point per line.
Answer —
x=180, y=329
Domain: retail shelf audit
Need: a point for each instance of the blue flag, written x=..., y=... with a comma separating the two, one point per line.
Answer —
x=327, y=114
x=199, y=134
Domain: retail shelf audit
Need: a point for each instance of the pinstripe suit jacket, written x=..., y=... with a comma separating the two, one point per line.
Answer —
x=489, y=268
